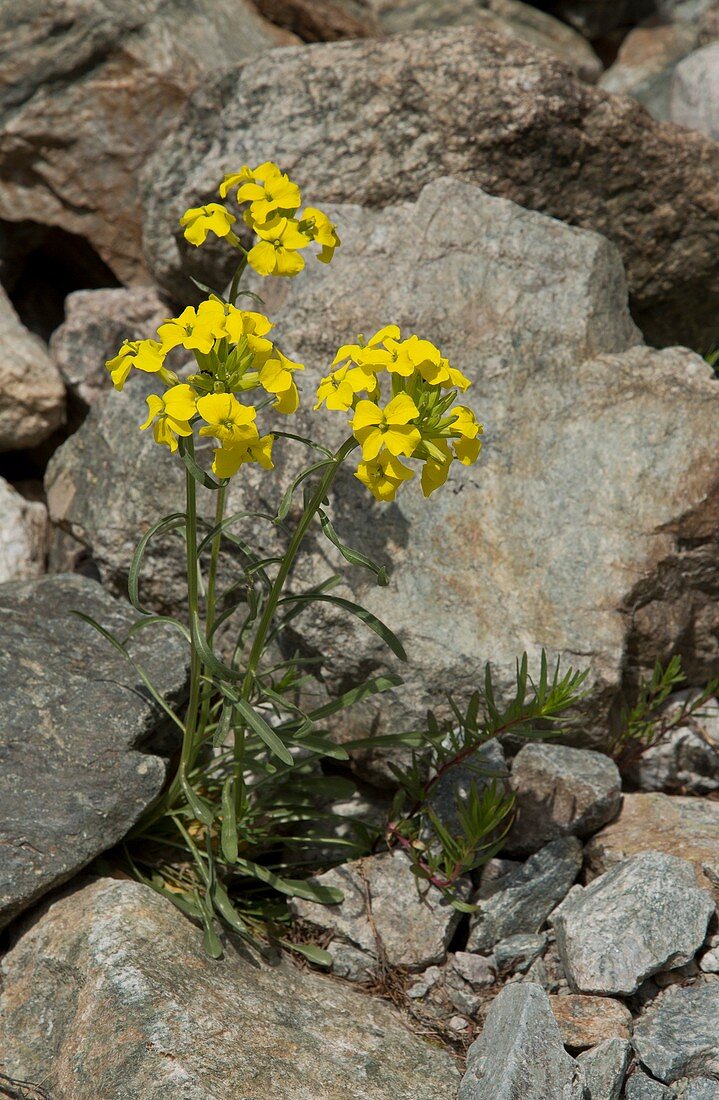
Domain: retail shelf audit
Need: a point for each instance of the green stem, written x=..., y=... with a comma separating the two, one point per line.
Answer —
x=271, y=605
x=288, y=561
x=235, y=284
x=220, y=497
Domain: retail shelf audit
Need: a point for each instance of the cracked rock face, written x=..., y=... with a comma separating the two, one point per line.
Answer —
x=519, y=126
x=644, y=916
x=604, y=1068
x=166, y=1021
x=535, y=314
x=520, y=1052
x=91, y=87
x=73, y=778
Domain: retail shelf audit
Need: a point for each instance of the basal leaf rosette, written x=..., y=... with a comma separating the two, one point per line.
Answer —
x=234, y=357
x=272, y=213
x=420, y=421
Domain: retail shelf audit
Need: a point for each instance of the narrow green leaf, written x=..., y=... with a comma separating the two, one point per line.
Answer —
x=294, y=888
x=156, y=620
x=208, y=657
x=195, y=469
x=307, y=442
x=311, y=952
x=167, y=523
x=388, y=637
x=354, y=557
x=226, y=909
x=228, y=833
x=322, y=745
x=286, y=501
x=200, y=808
x=265, y=732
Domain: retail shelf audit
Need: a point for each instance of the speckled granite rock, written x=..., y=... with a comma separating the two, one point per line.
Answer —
x=108, y=994
x=645, y=915
x=560, y=791
x=73, y=778
x=586, y=1021
x=604, y=1068
x=32, y=395
x=522, y=900
x=383, y=899
x=520, y=1052
x=678, y=1034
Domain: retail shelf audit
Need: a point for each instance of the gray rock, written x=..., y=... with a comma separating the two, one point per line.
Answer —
x=503, y=17
x=684, y=827
x=387, y=910
x=687, y=758
x=73, y=779
x=646, y=62
x=645, y=915
x=23, y=535
x=96, y=323
x=480, y=971
x=520, y=1052
x=694, y=98
x=517, y=953
x=678, y=1034
x=641, y=1087
x=32, y=396
x=604, y=1068
x=351, y=963
x=91, y=87
x=522, y=901
x=167, y=1021
x=709, y=962
x=560, y=791
x=520, y=127
x=700, y=1088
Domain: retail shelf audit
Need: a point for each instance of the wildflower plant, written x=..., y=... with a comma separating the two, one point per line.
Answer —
x=247, y=779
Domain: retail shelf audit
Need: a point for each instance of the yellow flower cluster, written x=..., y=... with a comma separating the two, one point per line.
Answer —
x=420, y=421
x=274, y=200
x=233, y=356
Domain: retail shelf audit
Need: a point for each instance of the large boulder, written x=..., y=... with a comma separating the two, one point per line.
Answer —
x=32, y=396
x=535, y=313
x=75, y=770
x=335, y=19
x=398, y=113
x=90, y=87
x=678, y=1034
x=645, y=915
x=108, y=993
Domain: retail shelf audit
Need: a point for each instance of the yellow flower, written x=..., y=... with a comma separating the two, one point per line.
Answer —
x=147, y=355
x=195, y=330
x=288, y=401
x=369, y=355
x=276, y=252
x=390, y=427
x=276, y=194
x=434, y=472
x=383, y=476
x=468, y=446
x=276, y=374
x=201, y=220
x=241, y=322
x=339, y=389
x=170, y=414
x=322, y=231
x=247, y=174
x=228, y=460
x=228, y=420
